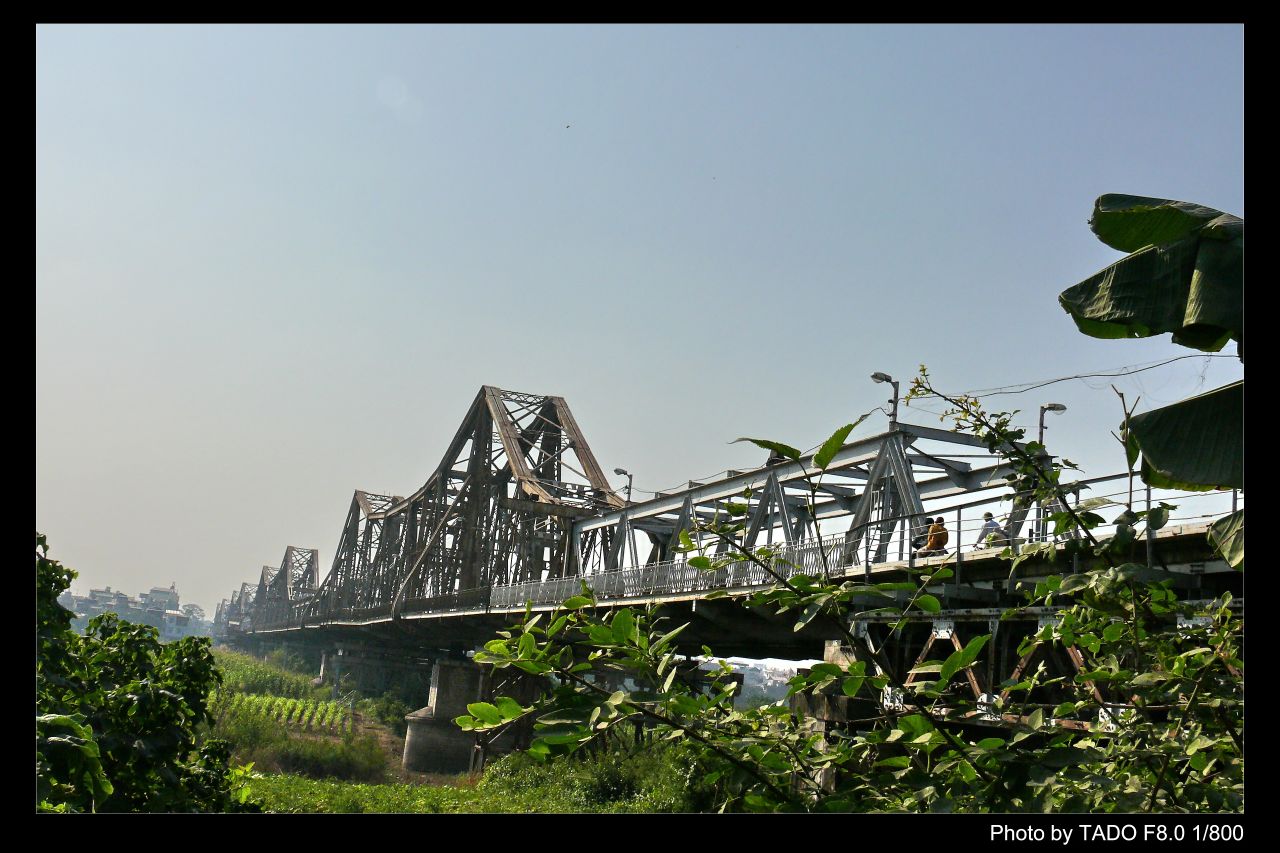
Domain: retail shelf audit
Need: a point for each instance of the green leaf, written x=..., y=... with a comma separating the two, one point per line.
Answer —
x=961, y=658
x=1185, y=276
x=485, y=713
x=700, y=562
x=1200, y=742
x=576, y=602
x=915, y=724
x=1123, y=536
x=667, y=638
x=535, y=667
x=973, y=648
x=1196, y=444
x=1227, y=537
x=784, y=450
x=895, y=761
x=928, y=604
x=811, y=610
x=623, y=625
x=685, y=542
x=832, y=445
x=508, y=707
x=1129, y=223
x=852, y=685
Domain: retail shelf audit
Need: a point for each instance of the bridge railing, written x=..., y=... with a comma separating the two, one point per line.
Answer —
x=675, y=577
x=831, y=556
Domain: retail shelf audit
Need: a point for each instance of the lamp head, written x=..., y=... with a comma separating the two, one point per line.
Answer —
x=621, y=473
x=878, y=377
x=1053, y=407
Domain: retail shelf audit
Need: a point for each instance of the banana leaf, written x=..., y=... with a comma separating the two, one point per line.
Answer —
x=1227, y=535
x=1185, y=274
x=1195, y=444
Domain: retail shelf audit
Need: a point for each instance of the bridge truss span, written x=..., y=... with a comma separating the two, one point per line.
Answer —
x=498, y=510
x=518, y=513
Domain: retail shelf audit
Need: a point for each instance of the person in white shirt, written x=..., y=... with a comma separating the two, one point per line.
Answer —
x=991, y=535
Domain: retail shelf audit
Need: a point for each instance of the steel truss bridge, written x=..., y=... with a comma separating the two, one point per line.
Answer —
x=519, y=514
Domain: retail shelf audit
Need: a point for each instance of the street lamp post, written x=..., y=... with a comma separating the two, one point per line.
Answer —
x=1048, y=407
x=623, y=473
x=878, y=378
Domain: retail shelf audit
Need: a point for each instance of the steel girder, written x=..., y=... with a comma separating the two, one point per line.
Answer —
x=881, y=481
x=497, y=510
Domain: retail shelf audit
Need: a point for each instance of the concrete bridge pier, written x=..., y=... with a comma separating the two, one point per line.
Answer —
x=433, y=744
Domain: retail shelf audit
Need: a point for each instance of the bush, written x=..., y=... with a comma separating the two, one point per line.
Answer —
x=119, y=714
x=389, y=710
x=659, y=778
x=663, y=778
x=356, y=758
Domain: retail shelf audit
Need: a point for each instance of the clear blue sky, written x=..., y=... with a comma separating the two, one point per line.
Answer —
x=275, y=264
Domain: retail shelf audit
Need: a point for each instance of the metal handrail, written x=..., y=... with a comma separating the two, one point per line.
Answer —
x=674, y=577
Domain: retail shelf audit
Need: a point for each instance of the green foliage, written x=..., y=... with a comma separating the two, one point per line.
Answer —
x=387, y=709
x=1185, y=274
x=1194, y=444
x=286, y=735
x=244, y=673
x=1227, y=535
x=119, y=714
x=355, y=757
x=279, y=713
x=656, y=778
x=288, y=661
x=273, y=720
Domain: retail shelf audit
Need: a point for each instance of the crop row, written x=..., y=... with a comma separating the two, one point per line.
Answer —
x=304, y=714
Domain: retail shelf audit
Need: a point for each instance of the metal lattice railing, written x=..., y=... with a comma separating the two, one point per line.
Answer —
x=832, y=556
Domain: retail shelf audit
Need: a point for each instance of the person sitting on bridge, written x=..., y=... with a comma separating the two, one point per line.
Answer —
x=992, y=535
x=937, y=543
x=922, y=535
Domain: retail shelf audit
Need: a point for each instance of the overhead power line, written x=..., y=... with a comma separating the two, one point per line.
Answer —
x=1127, y=370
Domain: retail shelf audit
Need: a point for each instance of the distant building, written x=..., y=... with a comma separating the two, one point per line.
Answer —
x=160, y=608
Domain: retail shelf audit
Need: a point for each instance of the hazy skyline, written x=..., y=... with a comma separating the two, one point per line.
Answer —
x=275, y=263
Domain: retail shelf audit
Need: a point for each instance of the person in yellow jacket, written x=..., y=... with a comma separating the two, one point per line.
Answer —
x=937, y=542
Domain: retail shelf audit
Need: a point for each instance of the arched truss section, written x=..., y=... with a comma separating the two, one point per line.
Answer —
x=497, y=510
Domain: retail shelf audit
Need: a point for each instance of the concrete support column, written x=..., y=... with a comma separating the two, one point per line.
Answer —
x=433, y=744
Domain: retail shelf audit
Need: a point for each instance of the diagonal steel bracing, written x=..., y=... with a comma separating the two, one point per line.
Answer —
x=497, y=510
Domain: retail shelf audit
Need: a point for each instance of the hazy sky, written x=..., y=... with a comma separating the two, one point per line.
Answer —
x=275, y=264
